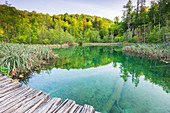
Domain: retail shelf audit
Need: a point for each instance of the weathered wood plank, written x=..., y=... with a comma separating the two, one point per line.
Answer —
x=9, y=85
x=13, y=95
x=12, y=91
x=66, y=107
x=5, y=83
x=89, y=109
x=61, y=105
x=97, y=112
x=73, y=109
x=4, y=80
x=79, y=109
x=31, y=110
x=30, y=104
x=69, y=106
x=83, y=110
x=46, y=106
x=32, y=95
x=40, y=108
x=57, y=103
x=10, y=88
x=14, y=101
x=3, y=77
x=49, y=105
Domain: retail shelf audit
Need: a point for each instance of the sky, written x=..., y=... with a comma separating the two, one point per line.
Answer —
x=102, y=8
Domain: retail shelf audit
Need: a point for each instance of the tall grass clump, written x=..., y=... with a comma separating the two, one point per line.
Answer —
x=157, y=51
x=20, y=58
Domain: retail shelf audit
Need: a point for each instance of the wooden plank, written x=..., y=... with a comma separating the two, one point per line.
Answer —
x=10, y=88
x=9, y=85
x=14, y=101
x=5, y=83
x=69, y=107
x=57, y=103
x=61, y=105
x=66, y=107
x=30, y=104
x=3, y=77
x=38, y=104
x=90, y=109
x=79, y=108
x=32, y=95
x=73, y=109
x=12, y=91
x=40, y=108
x=47, y=106
x=10, y=100
x=84, y=109
x=12, y=95
x=4, y=80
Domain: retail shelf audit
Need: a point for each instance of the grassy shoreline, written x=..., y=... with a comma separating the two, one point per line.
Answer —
x=88, y=44
x=156, y=51
x=20, y=58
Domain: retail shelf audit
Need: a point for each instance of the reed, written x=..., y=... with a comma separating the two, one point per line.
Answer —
x=20, y=58
x=158, y=51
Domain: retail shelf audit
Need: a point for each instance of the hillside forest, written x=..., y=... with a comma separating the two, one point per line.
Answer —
x=140, y=23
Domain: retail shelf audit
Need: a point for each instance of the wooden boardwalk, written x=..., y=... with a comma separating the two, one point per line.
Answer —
x=15, y=98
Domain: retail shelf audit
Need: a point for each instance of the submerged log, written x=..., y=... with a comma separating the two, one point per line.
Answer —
x=114, y=97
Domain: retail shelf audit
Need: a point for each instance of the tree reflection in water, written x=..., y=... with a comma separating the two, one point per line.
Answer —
x=83, y=57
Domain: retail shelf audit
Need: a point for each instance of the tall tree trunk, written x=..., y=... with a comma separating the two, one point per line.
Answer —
x=136, y=22
x=137, y=10
x=160, y=14
x=154, y=18
x=129, y=21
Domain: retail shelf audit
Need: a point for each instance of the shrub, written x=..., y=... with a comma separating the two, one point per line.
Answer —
x=158, y=51
x=19, y=58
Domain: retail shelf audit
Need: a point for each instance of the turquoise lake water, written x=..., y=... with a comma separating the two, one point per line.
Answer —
x=107, y=79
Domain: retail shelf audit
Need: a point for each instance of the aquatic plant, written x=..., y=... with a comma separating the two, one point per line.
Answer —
x=158, y=51
x=20, y=58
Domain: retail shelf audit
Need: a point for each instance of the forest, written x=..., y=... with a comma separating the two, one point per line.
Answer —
x=139, y=23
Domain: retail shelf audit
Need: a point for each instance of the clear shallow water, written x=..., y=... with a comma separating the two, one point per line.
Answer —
x=106, y=79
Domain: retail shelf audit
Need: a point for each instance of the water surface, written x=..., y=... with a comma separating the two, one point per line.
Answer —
x=105, y=78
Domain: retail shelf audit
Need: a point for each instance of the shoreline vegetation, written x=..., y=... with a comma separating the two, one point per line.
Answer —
x=155, y=51
x=88, y=44
x=40, y=32
x=21, y=59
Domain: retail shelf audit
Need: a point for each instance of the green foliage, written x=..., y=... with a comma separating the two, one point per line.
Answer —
x=143, y=24
x=158, y=51
x=147, y=24
x=18, y=26
x=3, y=71
x=92, y=36
x=55, y=37
x=22, y=58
